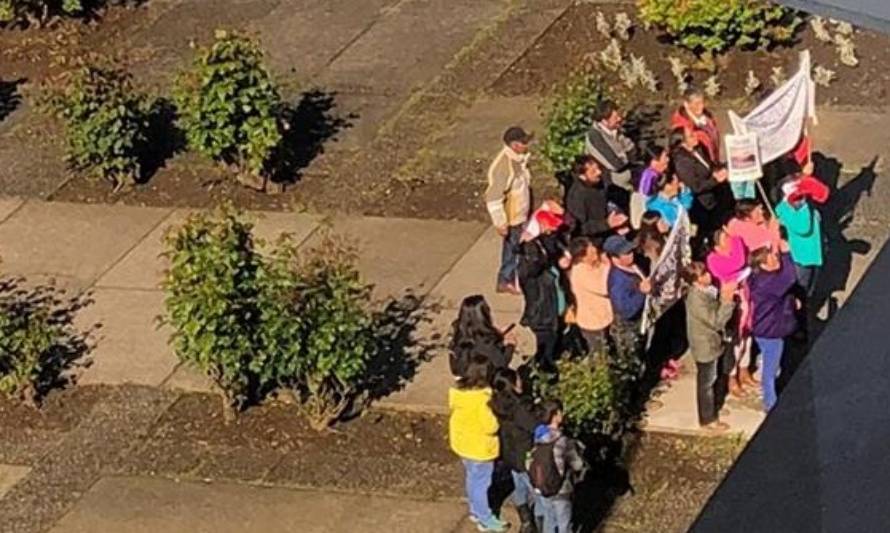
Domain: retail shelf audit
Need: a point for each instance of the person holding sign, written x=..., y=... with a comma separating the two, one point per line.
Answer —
x=694, y=115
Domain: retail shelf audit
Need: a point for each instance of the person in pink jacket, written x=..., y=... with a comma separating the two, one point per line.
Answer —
x=752, y=226
x=728, y=263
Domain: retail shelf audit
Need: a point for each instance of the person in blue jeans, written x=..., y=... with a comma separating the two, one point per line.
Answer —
x=555, y=512
x=771, y=285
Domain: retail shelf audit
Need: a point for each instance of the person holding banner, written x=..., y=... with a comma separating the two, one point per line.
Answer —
x=705, y=178
x=803, y=225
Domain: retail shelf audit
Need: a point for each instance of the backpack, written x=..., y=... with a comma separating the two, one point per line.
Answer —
x=542, y=470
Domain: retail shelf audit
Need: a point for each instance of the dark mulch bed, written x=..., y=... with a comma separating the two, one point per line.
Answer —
x=565, y=45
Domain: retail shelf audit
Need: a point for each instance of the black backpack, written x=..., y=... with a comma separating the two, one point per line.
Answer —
x=542, y=470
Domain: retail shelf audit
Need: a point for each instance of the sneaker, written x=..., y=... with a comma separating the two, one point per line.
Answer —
x=474, y=519
x=508, y=288
x=493, y=524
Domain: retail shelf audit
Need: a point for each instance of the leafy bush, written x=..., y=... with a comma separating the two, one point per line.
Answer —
x=213, y=300
x=229, y=106
x=710, y=26
x=568, y=119
x=327, y=367
x=106, y=121
x=40, y=12
x=252, y=322
x=37, y=340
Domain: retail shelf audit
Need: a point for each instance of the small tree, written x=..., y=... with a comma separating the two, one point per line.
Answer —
x=712, y=26
x=106, y=121
x=568, y=118
x=212, y=300
x=229, y=106
x=330, y=302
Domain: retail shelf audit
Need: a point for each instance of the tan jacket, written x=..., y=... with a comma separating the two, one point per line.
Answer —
x=508, y=196
x=590, y=287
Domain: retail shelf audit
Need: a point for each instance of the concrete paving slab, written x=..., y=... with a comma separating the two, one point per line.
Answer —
x=150, y=505
x=10, y=475
x=143, y=267
x=476, y=273
x=130, y=349
x=410, y=45
x=72, y=240
x=401, y=254
x=189, y=379
x=478, y=129
x=8, y=206
x=679, y=413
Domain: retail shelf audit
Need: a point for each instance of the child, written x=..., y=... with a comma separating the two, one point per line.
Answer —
x=752, y=226
x=555, y=465
x=472, y=430
x=627, y=292
x=671, y=198
x=804, y=226
x=775, y=307
x=658, y=162
x=707, y=315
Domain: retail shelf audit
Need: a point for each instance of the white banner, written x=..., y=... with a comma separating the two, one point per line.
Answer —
x=779, y=120
x=667, y=286
x=743, y=157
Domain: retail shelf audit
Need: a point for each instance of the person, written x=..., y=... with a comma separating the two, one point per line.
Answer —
x=589, y=281
x=771, y=285
x=803, y=225
x=508, y=200
x=517, y=417
x=707, y=314
x=627, y=292
x=555, y=448
x=612, y=150
x=694, y=115
x=752, y=226
x=472, y=433
x=541, y=260
x=651, y=238
x=704, y=177
x=658, y=160
x=474, y=332
x=728, y=264
x=671, y=198
x=587, y=201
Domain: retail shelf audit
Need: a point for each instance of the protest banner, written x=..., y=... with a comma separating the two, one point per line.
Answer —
x=667, y=286
x=779, y=121
x=743, y=157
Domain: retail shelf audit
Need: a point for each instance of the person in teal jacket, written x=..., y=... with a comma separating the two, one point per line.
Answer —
x=672, y=195
x=803, y=226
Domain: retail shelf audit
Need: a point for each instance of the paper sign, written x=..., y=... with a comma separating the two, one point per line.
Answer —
x=743, y=157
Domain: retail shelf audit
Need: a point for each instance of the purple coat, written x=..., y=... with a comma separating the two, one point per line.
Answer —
x=773, y=301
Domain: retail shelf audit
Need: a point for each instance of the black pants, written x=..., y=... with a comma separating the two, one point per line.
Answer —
x=547, y=347
x=706, y=392
x=595, y=343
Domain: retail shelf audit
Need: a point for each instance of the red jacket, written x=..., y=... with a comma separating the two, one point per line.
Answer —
x=708, y=135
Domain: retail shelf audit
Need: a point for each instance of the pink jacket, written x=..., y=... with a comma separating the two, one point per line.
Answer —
x=755, y=236
x=728, y=267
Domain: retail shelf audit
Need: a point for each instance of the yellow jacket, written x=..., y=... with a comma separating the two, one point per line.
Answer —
x=473, y=428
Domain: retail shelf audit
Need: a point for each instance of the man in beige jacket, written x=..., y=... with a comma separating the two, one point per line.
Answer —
x=508, y=200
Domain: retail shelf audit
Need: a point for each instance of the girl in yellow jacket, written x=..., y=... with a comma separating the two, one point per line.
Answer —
x=473, y=434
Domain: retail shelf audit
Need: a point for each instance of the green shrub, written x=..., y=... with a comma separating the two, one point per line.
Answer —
x=711, y=26
x=106, y=121
x=37, y=339
x=213, y=300
x=568, y=118
x=40, y=12
x=293, y=319
x=330, y=303
x=228, y=105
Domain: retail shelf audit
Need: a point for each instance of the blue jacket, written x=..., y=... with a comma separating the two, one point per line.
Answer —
x=625, y=295
x=670, y=208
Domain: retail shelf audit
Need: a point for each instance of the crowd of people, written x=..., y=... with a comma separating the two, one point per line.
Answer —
x=582, y=265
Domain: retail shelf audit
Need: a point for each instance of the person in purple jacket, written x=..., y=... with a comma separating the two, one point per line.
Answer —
x=771, y=285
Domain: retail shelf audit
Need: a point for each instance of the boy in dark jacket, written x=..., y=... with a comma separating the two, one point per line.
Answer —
x=708, y=311
x=627, y=292
x=518, y=418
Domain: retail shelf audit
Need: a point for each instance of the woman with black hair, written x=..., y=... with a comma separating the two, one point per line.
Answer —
x=517, y=417
x=474, y=332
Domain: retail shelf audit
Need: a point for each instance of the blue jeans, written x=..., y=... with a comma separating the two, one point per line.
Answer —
x=478, y=479
x=510, y=256
x=806, y=278
x=771, y=350
x=743, y=189
x=523, y=493
x=556, y=513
